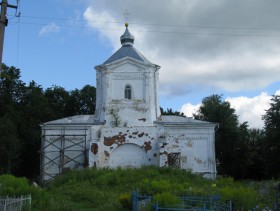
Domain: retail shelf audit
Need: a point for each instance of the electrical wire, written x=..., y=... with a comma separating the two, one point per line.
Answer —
x=231, y=34
x=155, y=24
x=159, y=31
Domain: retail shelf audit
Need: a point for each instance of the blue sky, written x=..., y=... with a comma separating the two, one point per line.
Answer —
x=221, y=47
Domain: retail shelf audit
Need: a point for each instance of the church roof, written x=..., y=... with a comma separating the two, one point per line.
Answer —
x=75, y=120
x=127, y=49
x=180, y=120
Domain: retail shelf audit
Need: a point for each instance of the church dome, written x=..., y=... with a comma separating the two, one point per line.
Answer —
x=127, y=38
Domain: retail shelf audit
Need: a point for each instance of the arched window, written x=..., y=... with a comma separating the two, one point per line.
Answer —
x=127, y=92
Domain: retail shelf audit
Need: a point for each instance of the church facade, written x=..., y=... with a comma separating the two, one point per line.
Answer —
x=127, y=129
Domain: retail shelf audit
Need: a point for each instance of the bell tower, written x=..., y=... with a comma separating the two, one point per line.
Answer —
x=127, y=87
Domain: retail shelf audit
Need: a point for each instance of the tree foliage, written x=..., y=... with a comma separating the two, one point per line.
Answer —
x=169, y=111
x=272, y=137
x=231, y=137
x=22, y=109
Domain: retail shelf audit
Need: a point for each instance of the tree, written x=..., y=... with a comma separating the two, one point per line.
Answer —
x=11, y=93
x=256, y=147
x=34, y=109
x=58, y=99
x=11, y=90
x=230, y=145
x=272, y=139
x=22, y=108
x=82, y=101
x=88, y=100
x=169, y=111
x=9, y=145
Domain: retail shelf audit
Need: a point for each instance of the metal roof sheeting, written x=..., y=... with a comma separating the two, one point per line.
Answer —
x=127, y=51
x=170, y=119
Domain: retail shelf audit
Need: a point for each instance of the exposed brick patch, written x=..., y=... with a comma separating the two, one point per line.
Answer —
x=117, y=139
x=142, y=119
x=94, y=148
x=147, y=146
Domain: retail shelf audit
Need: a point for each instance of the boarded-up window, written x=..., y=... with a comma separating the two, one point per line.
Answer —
x=174, y=159
x=127, y=92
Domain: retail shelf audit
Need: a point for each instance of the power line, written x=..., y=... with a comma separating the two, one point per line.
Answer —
x=157, y=31
x=156, y=24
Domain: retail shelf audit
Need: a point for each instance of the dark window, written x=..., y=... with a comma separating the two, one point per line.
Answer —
x=174, y=160
x=127, y=92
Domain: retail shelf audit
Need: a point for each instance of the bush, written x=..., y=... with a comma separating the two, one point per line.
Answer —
x=166, y=199
x=126, y=200
x=12, y=186
x=242, y=197
x=109, y=189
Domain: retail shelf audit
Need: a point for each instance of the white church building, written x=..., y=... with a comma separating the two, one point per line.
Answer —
x=127, y=129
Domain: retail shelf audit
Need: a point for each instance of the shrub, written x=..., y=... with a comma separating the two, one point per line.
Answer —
x=126, y=200
x=166, y=199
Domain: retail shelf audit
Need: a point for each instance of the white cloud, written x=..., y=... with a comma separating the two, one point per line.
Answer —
x=190, y=53
x=50, y=28
x=189, y=109
x=248, y=109
x=201, y=44
x=251, y=109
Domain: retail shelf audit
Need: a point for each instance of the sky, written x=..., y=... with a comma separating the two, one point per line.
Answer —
x=230, y=48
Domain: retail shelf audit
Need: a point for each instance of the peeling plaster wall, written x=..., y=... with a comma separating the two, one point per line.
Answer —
x=196, y=148
x=142, y=140
x=151, y=146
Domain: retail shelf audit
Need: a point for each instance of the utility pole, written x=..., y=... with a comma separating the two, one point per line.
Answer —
x=3, y=24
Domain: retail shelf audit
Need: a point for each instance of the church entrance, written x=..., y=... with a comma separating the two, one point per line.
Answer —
x=127, y=156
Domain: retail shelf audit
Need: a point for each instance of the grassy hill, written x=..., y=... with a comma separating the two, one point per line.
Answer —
x=108, y=189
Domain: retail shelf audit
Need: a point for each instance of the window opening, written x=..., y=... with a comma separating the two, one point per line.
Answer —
x=127, y=92
x=174, y=160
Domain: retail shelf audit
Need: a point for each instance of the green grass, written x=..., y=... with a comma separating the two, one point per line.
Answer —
x=108, y=189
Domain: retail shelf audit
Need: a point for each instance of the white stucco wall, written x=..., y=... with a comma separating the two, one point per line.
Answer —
x=141, y=140
x=111, y=82
x=195, y=145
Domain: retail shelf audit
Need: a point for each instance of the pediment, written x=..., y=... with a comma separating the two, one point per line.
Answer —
x=127, y=65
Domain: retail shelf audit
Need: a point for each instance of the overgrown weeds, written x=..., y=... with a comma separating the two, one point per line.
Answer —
x=110, y=189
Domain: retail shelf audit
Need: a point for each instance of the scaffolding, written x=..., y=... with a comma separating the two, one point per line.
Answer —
x=62, y=151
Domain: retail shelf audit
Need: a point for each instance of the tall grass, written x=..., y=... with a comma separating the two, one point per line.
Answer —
x=110, y=189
